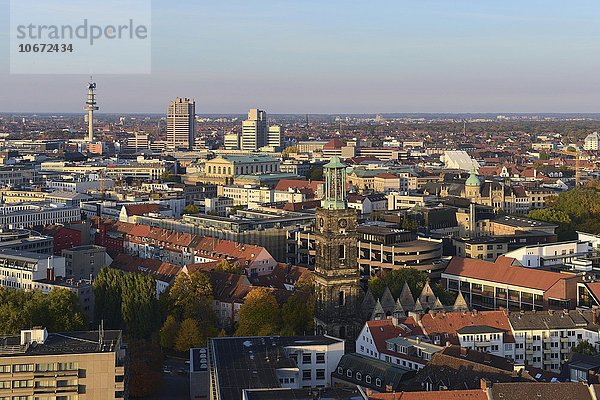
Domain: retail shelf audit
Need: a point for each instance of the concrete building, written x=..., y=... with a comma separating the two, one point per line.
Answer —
x=137, y=142
x=26, y=240
x=571, y=253
x=29, y=215
x=181, y=123
x=231, y=141
x=254, y=130
x=274, y=137
x=71, y=365
x=483, y=247
x=19, y=270
x=85, y=262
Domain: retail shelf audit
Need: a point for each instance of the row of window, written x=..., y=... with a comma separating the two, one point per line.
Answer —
x=358, y=376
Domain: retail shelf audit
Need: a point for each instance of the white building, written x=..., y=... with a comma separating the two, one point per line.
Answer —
x=19, y=269
x=591, y=142
x=459, y=159
x=28, y=215
x=571, y=253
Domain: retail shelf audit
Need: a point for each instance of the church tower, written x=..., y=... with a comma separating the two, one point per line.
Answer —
x=336, y=273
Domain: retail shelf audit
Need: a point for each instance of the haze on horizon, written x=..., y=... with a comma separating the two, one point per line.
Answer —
x=344, y=57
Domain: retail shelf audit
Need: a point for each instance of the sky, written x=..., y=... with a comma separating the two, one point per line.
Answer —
x=344, y=56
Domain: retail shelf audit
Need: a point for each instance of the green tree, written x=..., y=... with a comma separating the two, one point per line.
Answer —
x=191, y=209
x=127, y=301
x=297, y=316
x=584, y=347
x=189, y=336
x=168, y=332
x=259, y=315
x=168, y=177
x=316, y=174
x=192, y=295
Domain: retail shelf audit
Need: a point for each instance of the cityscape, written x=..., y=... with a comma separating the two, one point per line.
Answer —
x=283, y=251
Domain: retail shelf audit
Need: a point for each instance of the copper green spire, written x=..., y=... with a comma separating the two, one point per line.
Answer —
x=335, y=184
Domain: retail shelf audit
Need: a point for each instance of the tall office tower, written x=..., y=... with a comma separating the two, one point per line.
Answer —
x=181, y=123
x=337, y=288
x=254, y=130
x=90, y=107
x=274, y=137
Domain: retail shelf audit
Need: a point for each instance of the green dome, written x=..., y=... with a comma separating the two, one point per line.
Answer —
x=472, y=180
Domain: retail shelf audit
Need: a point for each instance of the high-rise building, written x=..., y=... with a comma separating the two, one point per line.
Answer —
x=231, y=141
x=254, y=130
x=592, y=142
x=336, y=269
x=181, y=123
x=274, y=137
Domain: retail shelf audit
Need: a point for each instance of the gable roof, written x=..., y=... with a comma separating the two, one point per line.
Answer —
x=503, y=271
x=450, y=323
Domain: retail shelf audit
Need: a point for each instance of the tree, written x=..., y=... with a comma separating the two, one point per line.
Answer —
x=189, y=336
x=289, y=150
x=297, y=316
x=191, y=209
x=316, y=174
x=191, y=293
x=168, y=177
x=229, y=267
x=259, y=315
x=584, y=347
x=306, y=283
x=58, y=311
x=168, y=332
x=127, y=301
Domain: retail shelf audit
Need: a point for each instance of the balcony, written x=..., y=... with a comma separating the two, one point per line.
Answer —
x=120, y=370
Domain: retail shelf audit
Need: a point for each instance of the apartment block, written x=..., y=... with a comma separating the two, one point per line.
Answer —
x=77, y=365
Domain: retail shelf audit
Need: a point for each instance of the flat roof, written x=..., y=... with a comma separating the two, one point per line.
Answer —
x=251, y=362
x=61, y=343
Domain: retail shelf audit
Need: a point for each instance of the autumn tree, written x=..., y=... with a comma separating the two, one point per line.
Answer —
x=191, y=293
x=191, y=209
x=189, y=335
x=259, y=315
x=229, y=267
x=168, y=332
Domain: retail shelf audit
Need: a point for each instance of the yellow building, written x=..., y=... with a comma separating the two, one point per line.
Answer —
x=74, y=366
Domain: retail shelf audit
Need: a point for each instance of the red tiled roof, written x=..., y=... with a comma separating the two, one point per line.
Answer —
x=162, y=270
x=240, y=251
x=473, y=394
x=382, y=330
x=141, y=209
x=503, y=271
x=443, y=323
x=334, y=144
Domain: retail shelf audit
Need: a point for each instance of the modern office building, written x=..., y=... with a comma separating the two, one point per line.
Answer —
x=181, y=123
x=231, y=141
x=274, y=137
x=76, y=365
x=254, y=130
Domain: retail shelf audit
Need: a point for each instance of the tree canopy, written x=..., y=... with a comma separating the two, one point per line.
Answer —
x=585, y=347
x=58, y=311
x=127, y=301
x=259, y=315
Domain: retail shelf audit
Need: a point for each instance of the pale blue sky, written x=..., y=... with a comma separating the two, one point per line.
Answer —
x=345, y=56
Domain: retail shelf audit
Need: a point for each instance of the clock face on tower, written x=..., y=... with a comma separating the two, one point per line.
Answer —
x=343, y=223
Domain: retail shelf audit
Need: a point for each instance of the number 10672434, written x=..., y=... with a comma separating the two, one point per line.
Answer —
x=45, y=48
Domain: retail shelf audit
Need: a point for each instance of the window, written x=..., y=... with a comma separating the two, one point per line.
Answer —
x=341, y=298
x=378, y=382
x=306, y=358
x=368, y=379
x=306, y=375
x=358, y=376
x=4, y=369
x=342, y=251
x=23, y=368
x=340, y=371
x=349, y=373
x=321, y=358
x=320, y=374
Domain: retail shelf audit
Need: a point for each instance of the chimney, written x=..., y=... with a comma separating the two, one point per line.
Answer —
x=50, y=274
x=418, y=339
x=464, y=351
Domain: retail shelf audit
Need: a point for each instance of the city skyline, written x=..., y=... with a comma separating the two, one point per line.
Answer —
x=394, y=57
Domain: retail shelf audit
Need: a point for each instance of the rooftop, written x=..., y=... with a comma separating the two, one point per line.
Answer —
x=61, y=343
